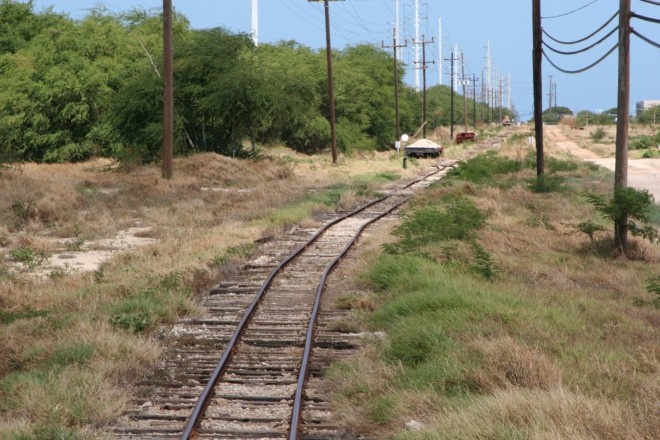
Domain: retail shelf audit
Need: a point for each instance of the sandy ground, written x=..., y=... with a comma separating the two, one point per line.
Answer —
x=642, y=173
x=91, y=254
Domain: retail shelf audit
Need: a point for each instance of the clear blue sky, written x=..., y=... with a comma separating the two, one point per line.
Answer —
x=470, y=24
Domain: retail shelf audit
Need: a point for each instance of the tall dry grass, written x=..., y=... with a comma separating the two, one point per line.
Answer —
x=66, y=366
x=561, y=343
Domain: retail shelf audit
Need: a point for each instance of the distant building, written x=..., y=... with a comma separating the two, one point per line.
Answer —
x=642, y=106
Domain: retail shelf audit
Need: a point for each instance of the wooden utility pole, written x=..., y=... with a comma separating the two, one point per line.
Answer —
x=538, y=84
x=396, y=80
x=331, y=87
x=550, y=101
x=653, y=135
x=464, y=83
x=451, y=99
x=474, y=99
x=501, y=97
x=168, y=90
x=623, y=109
x=424, y=67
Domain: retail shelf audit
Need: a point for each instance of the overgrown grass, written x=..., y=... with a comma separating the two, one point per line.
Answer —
x=482, y=169
x=72, y=343
x=515, y=331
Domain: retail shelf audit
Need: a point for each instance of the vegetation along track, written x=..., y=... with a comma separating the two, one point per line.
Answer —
x=267, y=339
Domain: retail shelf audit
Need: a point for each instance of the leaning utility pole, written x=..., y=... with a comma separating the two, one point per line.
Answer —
x=538, y=83
x=168, y=90
x=395, y=46
x=331, y=88
x=623, y=106
x=424, y=63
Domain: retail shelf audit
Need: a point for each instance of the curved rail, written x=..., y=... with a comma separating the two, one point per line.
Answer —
x=204, y=397
x=302, y=376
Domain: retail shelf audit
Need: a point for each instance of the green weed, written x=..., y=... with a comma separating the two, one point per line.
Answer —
x=27, y=256
x=589, y=228
x=382, y=409
x=641, y=143
x=23, y=210
x=149, y=307
x=598, y=135
x=456, y=219
x=78, y=353
x=482, y=168
x=484, y=263
x=555, y=165
x=7, y=317
x=77, y=243
x=234, y=253
x=547, y=183
x=415, y=339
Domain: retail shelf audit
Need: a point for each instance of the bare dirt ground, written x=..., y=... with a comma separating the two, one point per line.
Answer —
x=642, y=173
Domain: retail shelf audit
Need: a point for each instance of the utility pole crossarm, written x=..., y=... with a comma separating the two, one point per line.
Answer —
x=424, y=64
x=395, y=46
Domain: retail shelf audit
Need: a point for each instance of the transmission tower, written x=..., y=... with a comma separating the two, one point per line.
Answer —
x=254, y=28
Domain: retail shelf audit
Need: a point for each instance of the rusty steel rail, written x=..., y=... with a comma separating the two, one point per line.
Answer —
x=302, y=376
x=207, y=393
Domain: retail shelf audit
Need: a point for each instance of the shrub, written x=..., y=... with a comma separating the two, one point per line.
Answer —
x=546, y=184
x=555, y=165
x=589, y=228
x=482, y=168
x=598, y=135
x=627, y=203
x=483, y=263
x=641, y=143
x=432, y=224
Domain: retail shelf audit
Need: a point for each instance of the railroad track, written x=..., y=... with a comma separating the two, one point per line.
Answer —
x=248, y=368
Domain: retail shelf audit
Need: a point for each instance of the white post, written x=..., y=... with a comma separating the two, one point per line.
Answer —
x=488, y=74
x=440, y=50
x=509, y=93
x=396, y=25
x=416, y=45
x=255, y=22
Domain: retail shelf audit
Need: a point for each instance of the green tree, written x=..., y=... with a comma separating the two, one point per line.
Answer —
x=626, y=205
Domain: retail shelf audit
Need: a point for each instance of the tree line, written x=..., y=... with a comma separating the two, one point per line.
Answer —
x=75, y=89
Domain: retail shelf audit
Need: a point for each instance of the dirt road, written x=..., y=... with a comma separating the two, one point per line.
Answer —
x=642, y=173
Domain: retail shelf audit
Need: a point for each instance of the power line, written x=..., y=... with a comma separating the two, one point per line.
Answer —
x=583, y=49
x=642, y=17
x=573, y=11
x=585, y=38
x=584, y=69
x=651, y=2
x=648, y=40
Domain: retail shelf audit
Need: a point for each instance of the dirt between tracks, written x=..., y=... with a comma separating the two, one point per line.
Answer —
x=642, y=173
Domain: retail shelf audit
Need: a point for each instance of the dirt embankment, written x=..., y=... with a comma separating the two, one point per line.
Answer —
x=642, y=173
